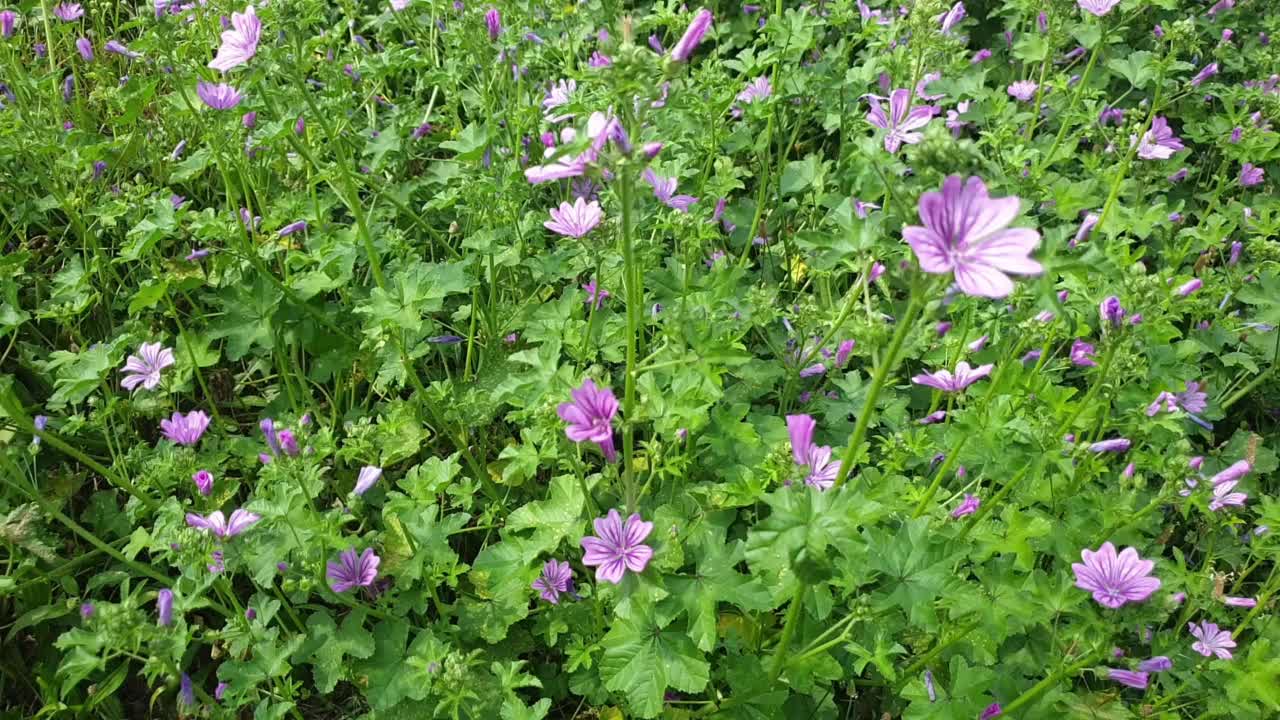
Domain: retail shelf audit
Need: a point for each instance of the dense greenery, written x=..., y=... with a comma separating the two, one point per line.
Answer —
x=599, y=359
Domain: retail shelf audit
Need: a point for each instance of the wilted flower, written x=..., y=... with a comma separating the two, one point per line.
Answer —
x=559, y=94
x=240, y=43
x=1115, y=579
x=223, y=527
x=595, y=295
x=493, y=23
x=992, y=710
x=902, y=120
x=967, y=233
x=1242, y=602
x=85, y=48
x=67, y=12
x=590, y=416
x=369, y=475
x=1116, y=445
x=118, y=48
x=936, y=416
x=164, y=607
x=292, y=228
x=1210, y=640
x=1205, y=73
x=1111, y=311
x=353, y=570
x=144, y=368
x=185, y=429
x=1224, y=496
x=952, y=17
x=86, y=611
x=843, y=352
x=186, y=692
x=968, y=506
x=617, y=546
x=1189, y=287
x=575, y=220
x=1235, y=471
x=7, y=20
x=980, y=56
x=1159, y=663
x=692, y=36
x=1082, y=354
x=204, y=482
x=556, y=578
x=945, y=381
x=1134, y=679
x=1251, y=175
x=1159, y=143
x=813, y=370
x=219, y=97
x=664, y=189
x=1024, y=90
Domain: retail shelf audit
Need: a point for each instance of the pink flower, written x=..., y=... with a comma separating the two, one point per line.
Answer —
x=1242, y=602
x=1097, y=7
x=1159, y=143
x=369, y=474
x=185, y=429
x=144, y=368
x=901, y=122
x=692, y=37
x=967, y=233
x=575, y=220
x=817, y=458
x=968, y=506
x=664, y=188
x=756, y=90
x=596, y=295
x=1115, y=579
x=1234, y=472
x=1024, y=90
x=1250, y=175
x=1224, y=496
x=1210, y=640
x=617, y=547
x=952, y=18
x=224, y=528
x=240, y=43
x=590, y=416
x=1082, y=354
x=945, y=381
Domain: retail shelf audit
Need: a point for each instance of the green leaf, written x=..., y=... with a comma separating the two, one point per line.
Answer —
x=553, y=519
x=1135, y=67
x=717, y=581
x=147, y=296
x=471, y=142
x=513, y=708
x=327, y=646
x=641, y=660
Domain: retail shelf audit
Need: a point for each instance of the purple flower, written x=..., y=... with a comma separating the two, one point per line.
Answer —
x=814, y=370
x=204, y=482
x=1024, y=90
x=1159, y=143
x=300, y=126
x=1210, y=640
x=219, y=97
x=369, y=475
x=1224, y=496
x=85, y=48
x=978, y=344
x=1111, y=115
x=1192, y=400
x=1115, y=445
x=186, y=692
x=118, y=48
x=86, y=611
x=177, y=153
x=843, y=352
x=953, y=122
x=1042, y=22
x=67, y=12
x=756, y=90
x=617, y=546
x=817, y=458
x=1115, y=580
x=993, y=710
x=560, y=94
x=936, y=416
x=928, y=686
x=1236, y=471
x=1128, y=470
x=1131, y=678
x=144, y=368
x=980, y=56
x=922, y=87
x=288, y=443
x=945, y=381
x=40, y=422
x=221, y=527
x=902, y=120
x=353, y=570
x=595, y=295
x=590, y=416
x=1082, y=354
x=574, y=220
x=1111, y=312
x=1205, y=73
x=185, y=429
x=692, y=37
x=1242, y=602
x=664, y=189
x=967, y=233
x=942, y=328
x=1159, y=663
x=1097, y=7
x=240, y=43
x=493, y=23
x=292, y=228
x=164, y=607
x=445, y=339
x=399, y=5
x=1251, y=175
x=952, y=17
x=599, y=60
x=7, y=20
x=968, y=506
x=556, y=578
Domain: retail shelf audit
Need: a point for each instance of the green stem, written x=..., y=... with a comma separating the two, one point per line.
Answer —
x=1040, y=687
x=789, y=629
x=1075, y=98
x=631, y=275
x=851, y=454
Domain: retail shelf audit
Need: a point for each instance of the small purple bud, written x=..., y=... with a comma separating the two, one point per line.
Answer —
x=86, y=611
x=164, y=607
